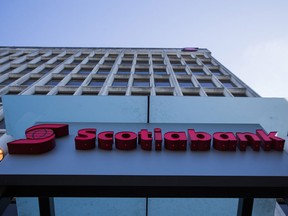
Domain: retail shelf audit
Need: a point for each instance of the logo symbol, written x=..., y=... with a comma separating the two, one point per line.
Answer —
x=39, y=139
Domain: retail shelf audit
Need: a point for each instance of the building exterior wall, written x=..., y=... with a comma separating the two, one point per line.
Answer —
x=167, y=86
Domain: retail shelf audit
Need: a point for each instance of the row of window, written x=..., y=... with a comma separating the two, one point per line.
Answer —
x=94, y=62
x=51, y=54
x=123, y=81
x=134, y=91
x=122, y=70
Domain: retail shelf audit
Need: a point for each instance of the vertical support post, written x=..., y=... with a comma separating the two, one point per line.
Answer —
x=4, y=203
x=245, y=206
x=46, y=206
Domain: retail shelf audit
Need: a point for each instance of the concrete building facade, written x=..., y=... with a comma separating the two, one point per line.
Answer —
x=131, y=88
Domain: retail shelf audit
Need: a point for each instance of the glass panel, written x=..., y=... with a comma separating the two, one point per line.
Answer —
x=75, y=82
x=228, y=84
x=162, y=83
x=103, y=71
x=96, y=82
x=8, y=81
x=29, y=81
x=92, y=62
x=53, y=82
x=142, y=71
x=85, y=71
x=66, y=71
x=160, y=71
x=119, y=82
x=198, y=72
x=141, y=83
x=185, y=83
x=216, y=72
x=207, y=84
x=123, y=71
x=180, y=71
x=45, y=70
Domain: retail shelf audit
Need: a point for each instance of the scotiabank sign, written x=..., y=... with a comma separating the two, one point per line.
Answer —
x=42, y=138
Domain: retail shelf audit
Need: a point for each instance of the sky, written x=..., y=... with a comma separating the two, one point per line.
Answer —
x=249, y=37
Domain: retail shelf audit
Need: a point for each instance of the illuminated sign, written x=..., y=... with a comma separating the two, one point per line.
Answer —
x=41, y=139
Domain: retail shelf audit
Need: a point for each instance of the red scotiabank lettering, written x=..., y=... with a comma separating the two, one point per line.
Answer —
x=177, y=141
x=199, y=141
x=224, y=141
x=126, y=140
x=39, y=139
x=105, y=140
x=86, y=139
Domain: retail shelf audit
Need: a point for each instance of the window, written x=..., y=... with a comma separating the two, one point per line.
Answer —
x=66, y=70
x=208, y=63
x=198, y=72
x=29, y=81
x=83, y=55
x=137, y=92
x=64, y=93
x=175, y=62
x=164, y=93
x=98, y=56
x=103, y=71
x=96, y=82
x=216, y=72
x=75, y=82
x=118, y=93
x=92, y=62
x=76, y=61
x=120, y=82
x=85, y=71
x=8, y=81
x=215, y=94
x=142, y=55
x=53, y=55
x=27, y=70
x=162, y=83
x=40, y=93
x=53, y=82
x=126, y=62
x=57, y=62
x=187, y=57
x=201, y=56
x=109, y=62
x=156, y=56
x=45, y=70
x=41, y=62
x=228, y=84
x=143, y=62
x=113, y=55
x=190, y=93
x=158, y=62
x=207, y=83
x=126, y=55
x=12, y=93
x=179, y=71
x=239, y=94
x=91, y=93
x=185, y=83
x=124, y=71
x=142, y=71
x=160, y=71
x=191, y=63
x=141, y=82
x=173, y=56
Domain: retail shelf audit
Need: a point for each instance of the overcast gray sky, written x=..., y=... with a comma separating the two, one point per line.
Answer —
x=249, y=37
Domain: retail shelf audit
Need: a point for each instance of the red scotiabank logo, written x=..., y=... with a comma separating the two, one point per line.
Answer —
x=41, y=139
